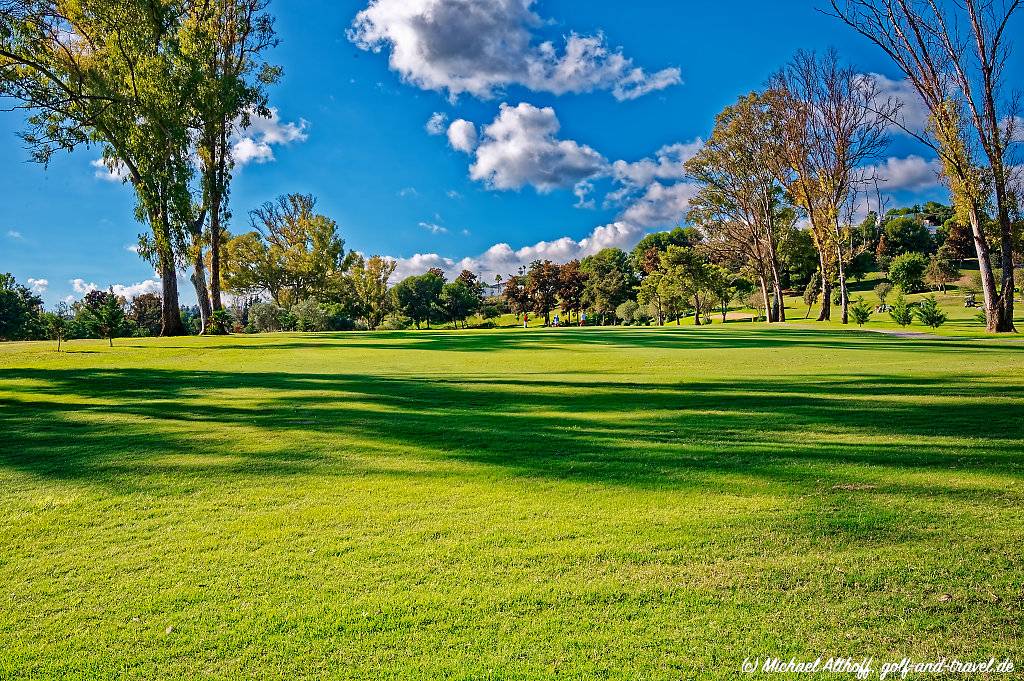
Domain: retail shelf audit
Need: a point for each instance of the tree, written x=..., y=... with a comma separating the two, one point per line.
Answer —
x=418, y=297
x=609, y=281
x=906, y=235
x=144, y=313
x=832, y=124
x=542, y=284
x=571, y=285
x=900, y=311
x=955, y=56
x=721, y=284
x=907, y=272
x=114, y=73
x=812, y=292
x=882, y=291
x=686, y=276
x=737, y=207
x=861, y=312
x=628, y=312
x=20, y=310
x=644, y=257
x=369, y=279
x=515, y=295
x=107, y=320
x=956, y=241
x=940, y=271
x=459, y=300
x=650, y=294
x=58, y=323
x=930, y=314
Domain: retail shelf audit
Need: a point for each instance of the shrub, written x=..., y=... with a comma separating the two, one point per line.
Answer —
x=265, y=318
x=395, y=322
x=930, y=313
x=861, y=312
x=900, y=311
x=310, y=315
x=628, y=311
x=907, y=271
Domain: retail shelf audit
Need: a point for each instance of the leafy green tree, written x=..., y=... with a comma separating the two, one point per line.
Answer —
x=907, y=235
x=609, y=281
x=861, y=312
x=144, y=314
x=58, y=323
x=266, y=318
x=20, y=310
x=650, y=294
x=369, y=279
x=907, y=271
x=941, y=271
x=572, y=283
x=108, y=319
x=930, y=314
x=645, y=256
x=882, y=291
x=418, y=297
x=310, y=315
x=900, y=311
x=459, y=300
x=686, y=272
x=542, y=284
x=515, y=295
x=721, y=284
x=812, y=292
x=628, y=312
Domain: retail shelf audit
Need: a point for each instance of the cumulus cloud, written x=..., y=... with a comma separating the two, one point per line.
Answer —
x=15, y=234
x=521, y=148
x=462, y=136
x=255, y=143
x=502, y=259
x=38, y=285
x=436, y=123
x=913, y=112
x=479, y=48
x=661, y=205
x=131, y=291
x=80, y=286
x=912, y=173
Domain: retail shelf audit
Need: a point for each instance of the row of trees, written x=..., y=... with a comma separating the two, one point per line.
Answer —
x=161, y=86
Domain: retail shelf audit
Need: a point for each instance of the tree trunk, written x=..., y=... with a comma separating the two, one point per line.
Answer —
x=826, y=291
x=780, y=300
x=170, y=310
x=202, y=295
x=993, y=309
x=765, y=300
x=844, y=296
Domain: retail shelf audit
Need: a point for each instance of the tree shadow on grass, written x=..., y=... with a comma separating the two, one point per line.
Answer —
x=669, y=337
x=136, y=428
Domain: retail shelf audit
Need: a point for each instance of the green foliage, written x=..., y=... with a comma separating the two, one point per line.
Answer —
x=900, y=311
x=907, y=235
x=930, y=314
x=144, y=313
x=941, y=271
x=813, y=290
x=371, y=297
x=883, y=290
x=20, y=311
x=628, y=312
x=610, y=279
x=266, y=318
x=107, y=320
x=310, y=315
x=861, y=312
x=418, y=297
x=458, y=300
x=906, y=271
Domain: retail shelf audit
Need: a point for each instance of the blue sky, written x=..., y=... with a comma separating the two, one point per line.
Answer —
x=351, y=128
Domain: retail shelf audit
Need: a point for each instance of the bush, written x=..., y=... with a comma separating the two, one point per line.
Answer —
x=310, y=315
x=395, y=322
x=861, y=312
x=930, y=314
x=907, y=271
x=900, y=311
x=628, y=311
x=266, y=318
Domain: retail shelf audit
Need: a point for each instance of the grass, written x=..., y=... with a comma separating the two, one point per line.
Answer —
x=611, y=503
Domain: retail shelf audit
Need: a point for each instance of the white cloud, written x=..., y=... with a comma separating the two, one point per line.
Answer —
x=468, y=46
x=912, y=173
x=913, y=113
x=521, y=148
x=132, y=248
x=582, y=191
x=504, y=260
x=452, y=194
x=661, y=205
x=462, y=136
x=15, y=234
x=255, y=144
x=436, y=124
x=110, y=172
x=434, y=228
x=406, y=192
x=135, y=290
x=38, y=285
x=80, y=286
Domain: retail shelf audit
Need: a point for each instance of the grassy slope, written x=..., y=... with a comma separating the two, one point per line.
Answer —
x=644, y=503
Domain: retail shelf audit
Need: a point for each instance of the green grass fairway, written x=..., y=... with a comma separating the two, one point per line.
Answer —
x=578, y=503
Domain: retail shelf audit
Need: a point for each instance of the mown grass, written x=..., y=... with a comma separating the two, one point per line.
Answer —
x=581, y=503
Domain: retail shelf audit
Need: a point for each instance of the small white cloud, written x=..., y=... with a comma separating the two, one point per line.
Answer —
x=38, y=285
x=247, y=150
x=255, y=143
x=132, y=248
x=15, y=234
x=452, y=194
x=462, y=136
x=407, y=192
x=436, y=124
x=114, y=171
x=135, y=290
x=912, y=173
x=434, y=228
x=583, y=190
x=81, y=287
